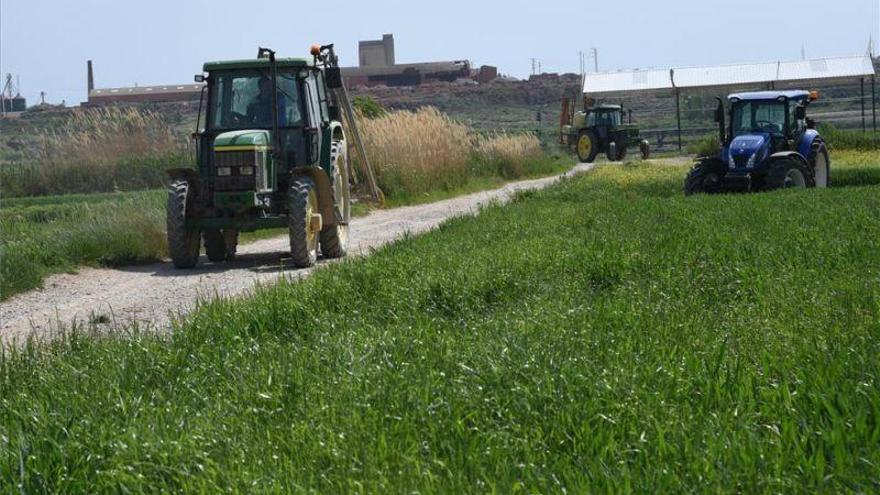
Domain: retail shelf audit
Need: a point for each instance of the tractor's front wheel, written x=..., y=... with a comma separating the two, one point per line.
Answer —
x=304, y=222
x=183, y=242
x=645, y=148
x=789, y=173
x=704, y=177
x=220, y=245
x=587, y=146
x=334, y=238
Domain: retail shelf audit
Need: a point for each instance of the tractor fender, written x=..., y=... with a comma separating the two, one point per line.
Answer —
x=806, y=143
x=788, y=154
x=324, y=190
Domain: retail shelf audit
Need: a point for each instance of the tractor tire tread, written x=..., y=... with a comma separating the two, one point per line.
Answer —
x=332, y=246
x=184, y=250
x=298, y=197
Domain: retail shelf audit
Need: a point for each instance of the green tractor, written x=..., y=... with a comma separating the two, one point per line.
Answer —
x=272, y=154
x=601, y=129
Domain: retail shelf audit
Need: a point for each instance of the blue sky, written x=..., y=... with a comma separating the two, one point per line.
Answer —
x=163, y=42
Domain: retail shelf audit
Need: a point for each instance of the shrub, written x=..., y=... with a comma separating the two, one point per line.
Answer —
x=707, y=145
x=368, y=107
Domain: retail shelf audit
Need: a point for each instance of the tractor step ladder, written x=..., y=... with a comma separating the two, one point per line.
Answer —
x=342, y=95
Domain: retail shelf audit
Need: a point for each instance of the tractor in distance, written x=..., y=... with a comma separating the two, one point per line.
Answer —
x=272, y=154
x=769, y=144
x=600, y=129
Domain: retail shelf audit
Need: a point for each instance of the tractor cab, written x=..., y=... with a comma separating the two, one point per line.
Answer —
x=764, y=123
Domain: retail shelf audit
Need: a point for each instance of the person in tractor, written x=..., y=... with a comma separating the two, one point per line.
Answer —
x=259, y=111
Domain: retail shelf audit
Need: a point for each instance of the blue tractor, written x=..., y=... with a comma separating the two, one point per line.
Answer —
x=769, y=144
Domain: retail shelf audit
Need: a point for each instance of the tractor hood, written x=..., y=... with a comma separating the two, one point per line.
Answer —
x=744, y=150
x=247, y=139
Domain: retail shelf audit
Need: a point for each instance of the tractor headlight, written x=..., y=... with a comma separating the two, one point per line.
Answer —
x=730, y=161
x=246, y=171
x=224, y=171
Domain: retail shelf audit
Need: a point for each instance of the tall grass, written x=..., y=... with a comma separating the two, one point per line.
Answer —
x=98, y=150
x=841, y=139
x=414, y=152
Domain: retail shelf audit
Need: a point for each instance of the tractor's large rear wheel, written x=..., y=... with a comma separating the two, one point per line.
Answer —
x=821, y=164
x=183, y=242
x=334, y=238
x=304, y=222
x=587, y=146
x=789, y=173
x=705, y=177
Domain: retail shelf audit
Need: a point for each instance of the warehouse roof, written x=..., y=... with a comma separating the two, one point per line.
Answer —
x=146, y=90
x=729, y=75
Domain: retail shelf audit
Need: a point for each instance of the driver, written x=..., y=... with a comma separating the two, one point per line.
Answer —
x=259, y=112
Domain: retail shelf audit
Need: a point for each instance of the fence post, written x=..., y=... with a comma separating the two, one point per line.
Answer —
x=678, y=115
x=874, y=102
x=864, y=123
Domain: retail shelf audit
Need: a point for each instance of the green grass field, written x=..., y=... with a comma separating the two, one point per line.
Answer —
x=603, y=336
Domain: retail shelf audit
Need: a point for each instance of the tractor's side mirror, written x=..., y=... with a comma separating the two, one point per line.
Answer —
x=200, y=78
x=719, y=114
x=800, y=112
x=334, y=77
x=719, y=119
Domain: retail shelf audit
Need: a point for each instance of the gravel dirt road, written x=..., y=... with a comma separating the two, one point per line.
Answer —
x=152, y=295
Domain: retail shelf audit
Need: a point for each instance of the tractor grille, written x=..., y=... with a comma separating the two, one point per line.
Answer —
x=741, y=161
x=234, y=160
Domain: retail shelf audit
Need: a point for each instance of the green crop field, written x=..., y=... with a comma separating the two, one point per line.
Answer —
x=605, y=335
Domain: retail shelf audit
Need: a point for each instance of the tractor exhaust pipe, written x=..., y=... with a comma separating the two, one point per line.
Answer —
x=273, y=73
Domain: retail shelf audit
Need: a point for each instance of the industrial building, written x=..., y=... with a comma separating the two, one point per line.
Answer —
x=139, y=94
x=377, y=66
x=11, y=100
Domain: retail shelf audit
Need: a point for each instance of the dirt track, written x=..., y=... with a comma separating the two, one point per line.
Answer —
x=153, y=294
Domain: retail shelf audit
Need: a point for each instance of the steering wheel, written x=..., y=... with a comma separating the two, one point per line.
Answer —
x=766, y=124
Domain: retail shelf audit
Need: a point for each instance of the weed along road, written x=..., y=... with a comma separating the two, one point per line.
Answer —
x=151, y=295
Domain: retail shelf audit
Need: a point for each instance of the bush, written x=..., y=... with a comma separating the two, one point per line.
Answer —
x=368, y=107
x=707, y=145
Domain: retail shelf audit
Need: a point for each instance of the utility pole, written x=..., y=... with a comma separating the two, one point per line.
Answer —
x=582, y=63
x=595, y=52
x=540, y=70
x=534, y=65
x=42, y=97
